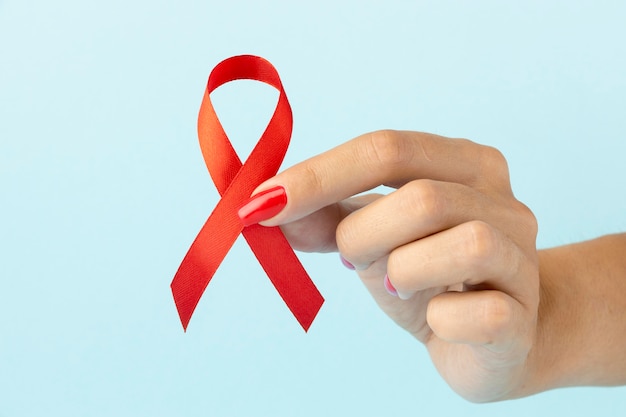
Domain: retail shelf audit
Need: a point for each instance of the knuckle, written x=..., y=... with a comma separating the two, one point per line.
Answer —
x=528, y=221
x=394, y=270
x=386, y=149
x=524, y=227
x=492, y=165
x=493, y=158
x=424, y=196
x=314, y=178
x=436, y=317
x=496, y=316
x=347, y=238
x=482, y=243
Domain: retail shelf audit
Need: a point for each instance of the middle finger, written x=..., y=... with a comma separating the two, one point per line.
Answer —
x=416, y=210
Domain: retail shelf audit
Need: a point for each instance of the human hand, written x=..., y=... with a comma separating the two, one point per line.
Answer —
x=451, y=239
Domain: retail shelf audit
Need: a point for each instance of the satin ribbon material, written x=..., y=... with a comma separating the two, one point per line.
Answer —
x=235, y=182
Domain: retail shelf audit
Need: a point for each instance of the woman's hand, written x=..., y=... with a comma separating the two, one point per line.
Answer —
x=460, y=251
x=451, y=239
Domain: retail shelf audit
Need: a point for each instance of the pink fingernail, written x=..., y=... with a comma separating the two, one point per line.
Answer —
x=390, y=289
x=346, y=263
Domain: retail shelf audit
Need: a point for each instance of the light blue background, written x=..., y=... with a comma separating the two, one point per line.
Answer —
x=103, y=188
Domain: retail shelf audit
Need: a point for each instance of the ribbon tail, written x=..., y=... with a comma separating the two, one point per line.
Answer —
x=286, y=272
x=203, y=258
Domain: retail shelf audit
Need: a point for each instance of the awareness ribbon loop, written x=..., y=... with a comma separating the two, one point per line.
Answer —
x=235, y=182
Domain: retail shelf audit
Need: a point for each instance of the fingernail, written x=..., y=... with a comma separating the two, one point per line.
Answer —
x=346, y=263
x=263, y=206
x=390, y=289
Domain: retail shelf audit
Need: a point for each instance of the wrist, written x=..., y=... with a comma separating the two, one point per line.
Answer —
x=580, y=333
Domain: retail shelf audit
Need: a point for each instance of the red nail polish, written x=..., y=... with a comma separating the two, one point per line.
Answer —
x=346, y=263
x=263, y=206
x=390, y=289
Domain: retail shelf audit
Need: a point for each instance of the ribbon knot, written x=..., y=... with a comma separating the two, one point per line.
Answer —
x=235, y=182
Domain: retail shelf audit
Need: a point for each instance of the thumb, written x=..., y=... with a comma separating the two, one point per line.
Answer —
x=315, y=232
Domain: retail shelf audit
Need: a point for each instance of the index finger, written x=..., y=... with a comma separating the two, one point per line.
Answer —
x=385, y=157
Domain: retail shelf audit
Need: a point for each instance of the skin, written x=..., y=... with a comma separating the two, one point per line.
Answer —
x=499, y=318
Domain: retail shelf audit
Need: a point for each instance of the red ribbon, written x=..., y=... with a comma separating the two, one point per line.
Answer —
x=235, y=182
